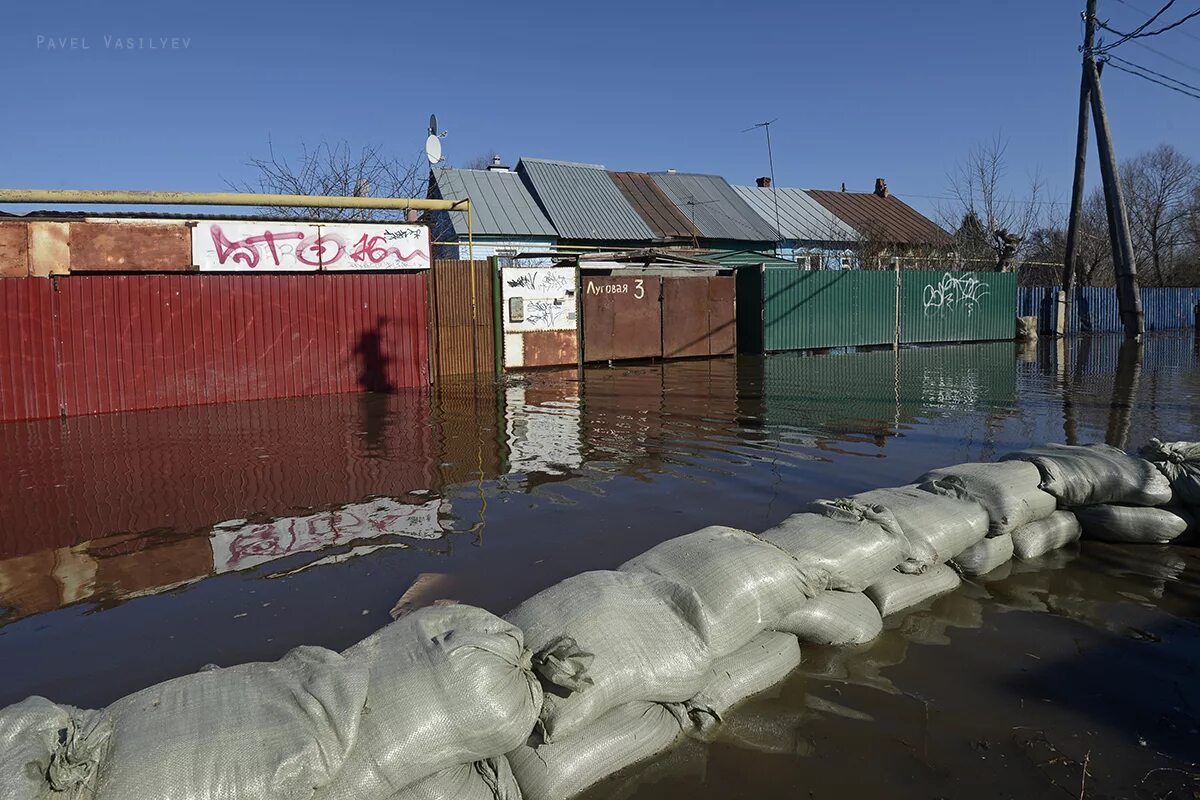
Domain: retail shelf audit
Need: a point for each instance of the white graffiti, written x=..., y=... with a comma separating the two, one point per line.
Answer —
x=951, y=294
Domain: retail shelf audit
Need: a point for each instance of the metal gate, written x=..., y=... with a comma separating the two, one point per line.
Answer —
x=698, y=317
x=622, y=318
x=463, y=339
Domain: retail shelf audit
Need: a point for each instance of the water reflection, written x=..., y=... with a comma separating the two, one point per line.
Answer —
x=328, y=507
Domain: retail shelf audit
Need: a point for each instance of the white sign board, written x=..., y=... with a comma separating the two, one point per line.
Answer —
x=538, y=298
x=307, y=247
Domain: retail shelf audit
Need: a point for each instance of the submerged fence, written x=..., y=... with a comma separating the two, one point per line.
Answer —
x=1094, y=308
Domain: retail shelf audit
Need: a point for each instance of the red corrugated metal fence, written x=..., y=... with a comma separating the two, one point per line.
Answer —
x=127, y=342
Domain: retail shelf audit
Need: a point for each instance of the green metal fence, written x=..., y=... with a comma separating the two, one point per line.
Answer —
x=806, y=310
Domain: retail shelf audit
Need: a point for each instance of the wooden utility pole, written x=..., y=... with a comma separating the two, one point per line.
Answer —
x=1063, y=306
x=1124, y=264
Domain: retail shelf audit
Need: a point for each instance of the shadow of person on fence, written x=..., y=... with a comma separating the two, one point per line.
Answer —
x=373, y=363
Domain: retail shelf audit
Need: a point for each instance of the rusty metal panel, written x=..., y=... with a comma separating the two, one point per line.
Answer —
x=722, y=315
x=49, y=249
x=550, y=348
x=130, y=247
x=462, y=346
x=14, y=249
x=29, y=387
x=685, y=327
x=622, y=317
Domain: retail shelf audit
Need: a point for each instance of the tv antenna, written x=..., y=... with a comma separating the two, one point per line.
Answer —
x=433, y=145
x=766, y=126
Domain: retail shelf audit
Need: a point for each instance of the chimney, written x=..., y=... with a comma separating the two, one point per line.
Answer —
x=670, y=170
x=843, y=186
x=763, y=182
x=496, y=166
x=881, y=187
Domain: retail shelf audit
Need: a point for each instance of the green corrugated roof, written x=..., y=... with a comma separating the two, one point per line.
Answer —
x=738, y=258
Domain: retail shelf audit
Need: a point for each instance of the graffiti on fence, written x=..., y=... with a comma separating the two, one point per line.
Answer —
x=951, y=295
x=287, y=247
x=547, y=295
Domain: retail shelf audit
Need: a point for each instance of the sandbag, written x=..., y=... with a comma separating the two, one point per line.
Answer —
x=448, y=685
x=760, y=664
x=50, y=750
x=1092, y=474
x=1179, y=462
x=744, y=583
x=602, y=639
x=623, y=736
x=897, y=591
x=835, y=618
x=490, y=779
x=938, y=518
x=1133, y=524
x=251, y=732
x=853, y=543
x=1010, y=492
x=983, y=557
x=1041, y=536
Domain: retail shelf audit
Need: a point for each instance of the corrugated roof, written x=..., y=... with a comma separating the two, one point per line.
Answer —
x=738, y=258
x=501, y=204
x=718, y=211
x=800, y=217
x=663, y=217
x=582, y=201
x=885, y=219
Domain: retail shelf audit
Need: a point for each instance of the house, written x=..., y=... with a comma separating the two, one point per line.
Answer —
x=505, y=217
x=722, y=217
x=584, y=205
x=810, y=234
x=670, y=225
x=889, y=230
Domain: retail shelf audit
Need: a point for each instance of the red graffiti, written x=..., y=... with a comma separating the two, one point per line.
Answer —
x=368, y=247
x=246, y=251
x=322, y=248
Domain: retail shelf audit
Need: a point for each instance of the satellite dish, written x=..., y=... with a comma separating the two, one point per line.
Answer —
x=433, y=149
x=433, y=131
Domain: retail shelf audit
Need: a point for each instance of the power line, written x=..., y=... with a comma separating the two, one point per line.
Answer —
x=1156, y=80
x=1152, y=72
x=1144, y=11
x=1167, y=56
x=1136, y=32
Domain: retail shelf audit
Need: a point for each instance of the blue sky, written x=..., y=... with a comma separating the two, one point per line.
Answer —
x=861, y=88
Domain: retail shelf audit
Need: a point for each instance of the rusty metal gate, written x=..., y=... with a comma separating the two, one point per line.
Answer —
x=698, y=317
x=622, y=318
x=462, y=344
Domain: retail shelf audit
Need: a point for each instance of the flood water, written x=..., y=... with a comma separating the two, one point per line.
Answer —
x=138, y=547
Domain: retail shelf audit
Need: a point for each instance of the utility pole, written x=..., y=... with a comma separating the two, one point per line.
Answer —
x=1063, y=305
x=1124, y=265
x=766, y=126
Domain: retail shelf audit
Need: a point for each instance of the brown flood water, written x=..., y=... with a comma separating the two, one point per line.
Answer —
x=137, y=547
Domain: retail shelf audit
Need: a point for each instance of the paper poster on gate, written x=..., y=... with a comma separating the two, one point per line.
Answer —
x=285, y=246
x=538, y=299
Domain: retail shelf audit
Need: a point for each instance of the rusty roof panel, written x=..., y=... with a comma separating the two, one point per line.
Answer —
x=886, y=219
x=800, y=217
x=663, y=216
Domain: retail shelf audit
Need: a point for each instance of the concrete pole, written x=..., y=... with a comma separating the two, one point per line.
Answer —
x=1063, y=304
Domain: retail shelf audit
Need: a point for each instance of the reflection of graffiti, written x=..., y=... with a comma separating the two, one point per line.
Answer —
x=248, y=246
x=951, y=294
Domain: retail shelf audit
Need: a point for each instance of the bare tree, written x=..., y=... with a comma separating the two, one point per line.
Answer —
x=992, y=224
x=1159, y=187
x=481, y=161
x=335, y=170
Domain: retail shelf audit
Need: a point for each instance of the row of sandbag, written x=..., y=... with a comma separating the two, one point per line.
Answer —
x=441, y=703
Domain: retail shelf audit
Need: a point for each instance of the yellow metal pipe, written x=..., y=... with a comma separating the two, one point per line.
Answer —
x=106, y=197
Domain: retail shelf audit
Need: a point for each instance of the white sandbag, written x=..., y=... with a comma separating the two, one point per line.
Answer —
x=983, y=557
x=1041, y=536
x=938, y=518
x=250, y=732
x=491, y=779
x=624, y=736
x=1179, y=462
x=602, y=639
x=50, y=750
x=897, y=591
x=853, y=543
x=449, y=685
x=1134, y=524
x=760, y=664
x=1092, y=474
x=835, y=618
x=745, y=584
x=1010, y=492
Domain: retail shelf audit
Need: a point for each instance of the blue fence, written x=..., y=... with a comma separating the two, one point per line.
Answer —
x=1094, y=309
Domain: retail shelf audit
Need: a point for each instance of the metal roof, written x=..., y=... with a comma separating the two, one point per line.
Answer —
x=501, y=205
x=886, y=219
x=738, y=258
x=717, y=210
x=663, y=217
x=800, y=217
x=582, y=201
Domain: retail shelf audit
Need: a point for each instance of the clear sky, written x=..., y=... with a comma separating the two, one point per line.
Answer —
x=861, y=88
